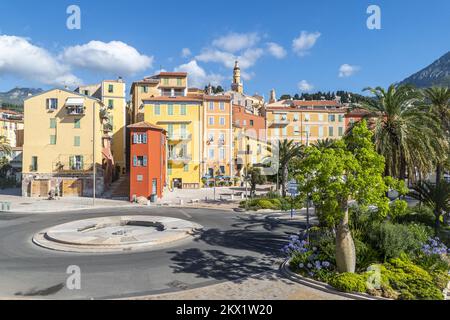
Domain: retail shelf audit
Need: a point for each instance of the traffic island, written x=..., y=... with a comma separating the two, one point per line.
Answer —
x=116, y=234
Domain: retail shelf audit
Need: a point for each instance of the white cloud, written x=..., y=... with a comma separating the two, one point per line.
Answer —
x=347, y=70
x=304, y=42
x=185, y=52
x=305, y=86
x=276, y=50
x=234, y=42
x=198, y=76
x=115, y=57
x=19, y=57
x=247, y=59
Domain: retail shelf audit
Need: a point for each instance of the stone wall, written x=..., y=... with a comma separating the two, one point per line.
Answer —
x=56, y=183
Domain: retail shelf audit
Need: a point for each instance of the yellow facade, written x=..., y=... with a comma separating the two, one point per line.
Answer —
x=182, y=119
x=297, y=125
x=113, y=95
x=54, y=136
x=249, y=148
x=9, y=129
x=218, y=138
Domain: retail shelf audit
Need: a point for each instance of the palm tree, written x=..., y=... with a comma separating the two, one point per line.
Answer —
x=436, y=196
x=324, y=143
x=287, y=150
x=407, y=136
x=438, y=99
x=5, y=148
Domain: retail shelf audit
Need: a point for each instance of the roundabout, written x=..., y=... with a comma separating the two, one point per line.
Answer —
x=209, y=247
x=115, y=234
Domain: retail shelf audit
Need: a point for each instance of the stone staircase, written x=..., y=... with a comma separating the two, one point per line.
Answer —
x=120, y=189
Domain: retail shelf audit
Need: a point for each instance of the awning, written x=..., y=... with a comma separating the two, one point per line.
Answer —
x=74, y=102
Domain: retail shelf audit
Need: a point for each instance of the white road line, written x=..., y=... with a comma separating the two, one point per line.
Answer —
x=185, y=214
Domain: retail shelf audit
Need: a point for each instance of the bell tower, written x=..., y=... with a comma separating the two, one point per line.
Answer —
x=237, y=85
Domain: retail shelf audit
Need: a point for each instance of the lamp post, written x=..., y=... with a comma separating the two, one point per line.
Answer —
x=307, y=194
x=94, y=169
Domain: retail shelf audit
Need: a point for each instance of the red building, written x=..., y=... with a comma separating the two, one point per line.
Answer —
x=248, y=121
x=147, y=160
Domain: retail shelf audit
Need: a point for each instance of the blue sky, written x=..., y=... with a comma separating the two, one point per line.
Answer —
x=137, y=38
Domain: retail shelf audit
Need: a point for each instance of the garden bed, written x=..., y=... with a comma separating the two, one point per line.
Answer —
x=423, y=276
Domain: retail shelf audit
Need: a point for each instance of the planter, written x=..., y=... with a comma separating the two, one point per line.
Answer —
x=318, y=285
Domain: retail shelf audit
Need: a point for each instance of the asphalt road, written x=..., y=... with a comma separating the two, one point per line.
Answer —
x=231, y=246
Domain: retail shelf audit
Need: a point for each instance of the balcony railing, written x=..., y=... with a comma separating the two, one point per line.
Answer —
x=180, y=157
x=75, y=110
x=72, y=167
x=279, y=123
x=179, y=137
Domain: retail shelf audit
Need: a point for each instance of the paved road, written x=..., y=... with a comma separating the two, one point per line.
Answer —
x=230, y=247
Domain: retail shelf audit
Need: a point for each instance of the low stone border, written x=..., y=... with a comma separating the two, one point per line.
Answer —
x=323, y=286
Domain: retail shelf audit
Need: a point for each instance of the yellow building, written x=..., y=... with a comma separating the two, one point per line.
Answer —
x=218, y=136
x=163, y=100
x=113, y=95
x=181, y=117
x=11, y=127
x=64, y=138
x=305, y=121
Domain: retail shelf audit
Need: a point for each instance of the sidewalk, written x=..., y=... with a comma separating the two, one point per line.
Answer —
x=21, y=204
x=266, y=286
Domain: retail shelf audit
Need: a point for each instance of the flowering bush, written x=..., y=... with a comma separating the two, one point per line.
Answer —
x=307, y=259
x=435, y=247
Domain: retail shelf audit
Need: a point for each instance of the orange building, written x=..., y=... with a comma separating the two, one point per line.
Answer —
x=148, y=160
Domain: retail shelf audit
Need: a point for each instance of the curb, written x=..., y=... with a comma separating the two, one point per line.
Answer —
x=70, y=210
x=323, y=286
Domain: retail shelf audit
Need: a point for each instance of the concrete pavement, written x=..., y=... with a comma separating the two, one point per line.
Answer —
x=231, y=248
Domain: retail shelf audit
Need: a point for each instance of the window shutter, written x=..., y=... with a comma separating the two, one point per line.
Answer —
x=135, y=161
x=145, y=138
x=71, y=162
x=145, y=161
x=82, y=162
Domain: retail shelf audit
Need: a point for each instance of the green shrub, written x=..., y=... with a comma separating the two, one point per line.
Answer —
x=349, y=282
x=418, y=214
x=411, y=281
x=265, y=204
x=398, y=209
x=365, y=255
x=393, y=239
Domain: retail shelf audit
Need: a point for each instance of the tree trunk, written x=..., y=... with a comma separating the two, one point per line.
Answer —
x=285, y=180
x=345, y=247
x=438, y=173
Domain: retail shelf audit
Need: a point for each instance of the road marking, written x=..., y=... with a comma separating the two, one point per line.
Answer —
x=185, y=213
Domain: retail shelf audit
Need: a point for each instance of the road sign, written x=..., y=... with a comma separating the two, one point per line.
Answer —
x=293, y=187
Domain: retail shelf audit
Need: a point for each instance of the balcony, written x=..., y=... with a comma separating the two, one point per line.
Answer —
x=75, y=110
x=75, y=106
x=69, y=167
x=179, y=137
x=279, y=123
x=179, y=157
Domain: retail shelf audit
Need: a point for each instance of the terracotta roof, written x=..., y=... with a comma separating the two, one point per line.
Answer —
x=174, y=99
x=357, y=112
x=315, y=103
x=290, y=109
x=145, y=125
x=173, y=74
x=217, y=97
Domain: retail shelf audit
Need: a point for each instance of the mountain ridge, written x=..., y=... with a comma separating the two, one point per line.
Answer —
x=435, y=74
